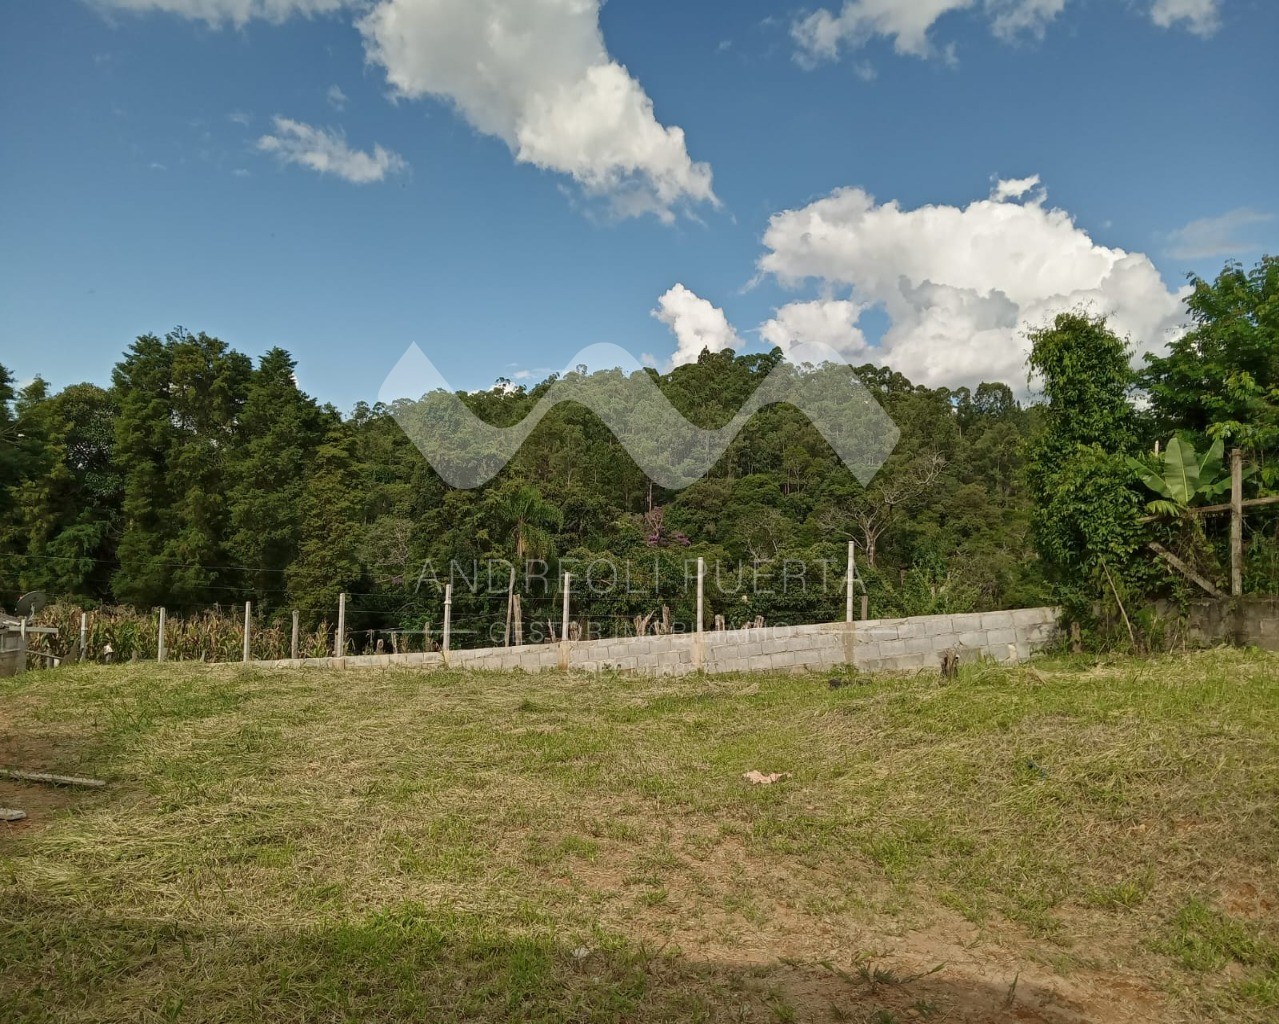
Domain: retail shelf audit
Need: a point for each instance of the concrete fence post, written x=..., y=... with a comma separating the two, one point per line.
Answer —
x=160, y=652
x=564, y=613
x=248, y=630
x=852, y=575
x=340, y=650
x=699, y=640
x=850, y=633
x=297, y=629
x=448, y=622
x=84, y=636
x=701, y=594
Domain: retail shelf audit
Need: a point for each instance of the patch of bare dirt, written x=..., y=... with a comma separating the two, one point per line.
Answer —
x=834, y=957
x=31, y=745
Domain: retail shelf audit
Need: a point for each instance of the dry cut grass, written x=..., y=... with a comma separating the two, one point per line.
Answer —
x=1074, y=841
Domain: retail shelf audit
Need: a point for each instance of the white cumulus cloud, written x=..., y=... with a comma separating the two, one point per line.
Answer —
x=959, y=285
x=696, y=323
x=804, y=331
x=822, y=34
x=1202, y=17
x=325, y=150
x=536, y=74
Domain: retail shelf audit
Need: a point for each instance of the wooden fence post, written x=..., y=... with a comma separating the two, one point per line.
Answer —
x=84, y=636
x=1236, y=523
x=293, y=647
x=248, y=629
x=448, y=622
x=159, y=650
x=340, y=652
x=865, y=607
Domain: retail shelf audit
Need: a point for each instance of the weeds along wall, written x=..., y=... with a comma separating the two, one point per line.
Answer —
x=872, y=645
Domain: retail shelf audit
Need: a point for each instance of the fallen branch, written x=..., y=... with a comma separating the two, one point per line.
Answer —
x=52, y=780
x=1115, y=590
x=1185, y=570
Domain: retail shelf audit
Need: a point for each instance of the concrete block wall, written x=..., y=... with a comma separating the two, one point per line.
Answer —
x=13, y=652
x=12, y=663
x=1247, y=621
x=880, y=645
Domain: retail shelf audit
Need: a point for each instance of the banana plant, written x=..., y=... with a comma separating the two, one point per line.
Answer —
x=1182, y=479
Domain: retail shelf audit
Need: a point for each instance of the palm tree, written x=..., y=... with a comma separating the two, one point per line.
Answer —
x=529, y=521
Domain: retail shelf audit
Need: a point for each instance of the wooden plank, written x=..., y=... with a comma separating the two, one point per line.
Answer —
x=52, y=780
x=1185, y=570
x=1272, y=499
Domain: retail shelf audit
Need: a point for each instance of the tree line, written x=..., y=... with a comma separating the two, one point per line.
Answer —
x=200, y=478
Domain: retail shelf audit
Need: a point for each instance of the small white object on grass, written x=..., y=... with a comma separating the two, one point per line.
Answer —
x=756, y=778
x=9, y=814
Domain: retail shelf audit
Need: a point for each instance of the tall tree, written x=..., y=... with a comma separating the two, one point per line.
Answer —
x=64, y=526
x=1221, y=378
x=1085, y=517
x=179, y=401
x=279, y=430
x=331, y=512
x=10, y=478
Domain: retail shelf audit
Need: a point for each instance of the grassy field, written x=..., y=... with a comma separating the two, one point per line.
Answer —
x=1072, y=841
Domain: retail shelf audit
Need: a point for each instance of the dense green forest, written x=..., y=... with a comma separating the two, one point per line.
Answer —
x=199, y=478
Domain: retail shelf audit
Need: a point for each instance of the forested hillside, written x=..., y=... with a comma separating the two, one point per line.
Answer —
x=199, y=478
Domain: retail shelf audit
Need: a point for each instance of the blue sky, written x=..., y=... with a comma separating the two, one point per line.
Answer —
x=157, y=163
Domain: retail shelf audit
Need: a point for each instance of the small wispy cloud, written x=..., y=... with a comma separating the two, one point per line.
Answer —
x=336, y=97
x=1208, y=237
x=1201, y=17
x=1007, y=189
x=325, y=151
x=240, y=117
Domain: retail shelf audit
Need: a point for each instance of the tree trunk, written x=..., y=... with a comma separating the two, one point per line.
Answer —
x=510, y=607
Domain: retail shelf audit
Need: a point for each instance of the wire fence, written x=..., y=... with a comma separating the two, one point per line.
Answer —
x=464, y=616
x=474, y=606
